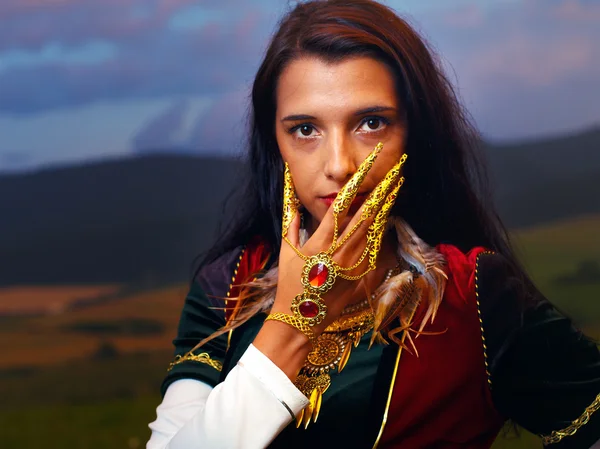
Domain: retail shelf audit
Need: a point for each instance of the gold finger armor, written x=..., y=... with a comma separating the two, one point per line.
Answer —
x=320, y=271
x=346, y=195
x=290, y=201
x=377, y=197
x=377, y=228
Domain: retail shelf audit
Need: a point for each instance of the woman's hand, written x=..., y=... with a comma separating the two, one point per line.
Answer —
x=353, y=254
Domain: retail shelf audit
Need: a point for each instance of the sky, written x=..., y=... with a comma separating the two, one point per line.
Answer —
x=89, y=79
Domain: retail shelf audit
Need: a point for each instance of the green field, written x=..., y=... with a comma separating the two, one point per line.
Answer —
x=64, y=389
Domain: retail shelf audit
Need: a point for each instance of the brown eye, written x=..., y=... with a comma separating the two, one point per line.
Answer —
x=306, y=130
x=373, y=123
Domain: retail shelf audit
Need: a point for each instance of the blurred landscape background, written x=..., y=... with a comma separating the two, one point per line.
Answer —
x=121, y=136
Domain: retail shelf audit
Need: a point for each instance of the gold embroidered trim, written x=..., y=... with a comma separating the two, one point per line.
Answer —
x=485, y=357
x=200, y=358
x=235, y=272
x=391, y=391
x=558, y=435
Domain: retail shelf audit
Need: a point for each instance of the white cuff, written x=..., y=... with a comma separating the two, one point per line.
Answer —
x=261, y=367
x=254, y=403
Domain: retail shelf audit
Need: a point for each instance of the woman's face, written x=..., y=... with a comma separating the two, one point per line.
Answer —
x=329, y=118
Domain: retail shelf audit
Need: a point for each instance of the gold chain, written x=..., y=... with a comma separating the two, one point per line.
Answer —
x=296, y=250
x=558, y=435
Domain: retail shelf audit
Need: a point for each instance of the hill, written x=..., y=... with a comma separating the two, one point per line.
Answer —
x=547, y=180
x=143, y=220
x=137, y=220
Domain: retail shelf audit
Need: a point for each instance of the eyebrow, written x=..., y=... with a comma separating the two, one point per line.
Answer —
x=369, y=110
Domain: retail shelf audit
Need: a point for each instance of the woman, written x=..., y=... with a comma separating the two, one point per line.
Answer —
x=387, y=235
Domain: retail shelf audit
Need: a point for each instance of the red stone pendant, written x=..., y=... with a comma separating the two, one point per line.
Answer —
x=308, y=309
x=318, y=274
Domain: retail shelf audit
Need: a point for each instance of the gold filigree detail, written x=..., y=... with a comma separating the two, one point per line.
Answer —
x=380, y=197
x=363, y=319
x=290, y=201
x=293, y=321
x=558, y=435
x=203, y=357
x=313, y=388
x=326, y=262
x=331, y=352
x=345, y=197
x=326, y=354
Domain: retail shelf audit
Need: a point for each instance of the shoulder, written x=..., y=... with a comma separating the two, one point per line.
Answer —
x=215, y=278
x=462, y=268
x=221, y=277
x=544, y=373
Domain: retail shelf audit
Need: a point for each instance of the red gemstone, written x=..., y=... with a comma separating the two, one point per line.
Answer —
x=308, y=309
x=318, y=274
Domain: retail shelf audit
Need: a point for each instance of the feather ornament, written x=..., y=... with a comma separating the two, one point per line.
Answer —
x=422, y=278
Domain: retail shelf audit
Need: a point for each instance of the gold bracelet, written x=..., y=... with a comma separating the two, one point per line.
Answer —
x=299, y=324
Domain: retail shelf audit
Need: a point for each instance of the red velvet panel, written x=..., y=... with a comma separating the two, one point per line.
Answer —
x=441, y=398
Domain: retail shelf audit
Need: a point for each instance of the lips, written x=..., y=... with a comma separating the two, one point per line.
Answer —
x=356, y=203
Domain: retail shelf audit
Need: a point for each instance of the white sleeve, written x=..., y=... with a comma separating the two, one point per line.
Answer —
x=247, y=410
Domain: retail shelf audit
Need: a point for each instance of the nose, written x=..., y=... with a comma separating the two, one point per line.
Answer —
x=340, y=163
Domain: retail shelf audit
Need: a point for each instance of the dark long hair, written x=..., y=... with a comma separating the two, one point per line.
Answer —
x=446, y=197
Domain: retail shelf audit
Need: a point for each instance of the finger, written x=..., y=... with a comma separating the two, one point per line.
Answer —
x=378, y=196
x=377, y=229
x=346, y=195
x=374, y=202
x=290, y=201
x=374, y=227
x=293, y=233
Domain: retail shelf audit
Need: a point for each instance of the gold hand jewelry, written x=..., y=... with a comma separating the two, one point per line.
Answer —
x=376, y=199
x=377, y=228
x=375, y=236
x=293, y=321
x=346, y=195
x=320, y=271
x=290, y=201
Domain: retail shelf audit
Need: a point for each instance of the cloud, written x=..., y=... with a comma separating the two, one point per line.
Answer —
x=200, y=61
x=577, y=11
x=206, y=61
x=74, y=23
x=468, y=16
x=31, y=24
x=159, y=133
x=521, y=68
x=534, y=61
